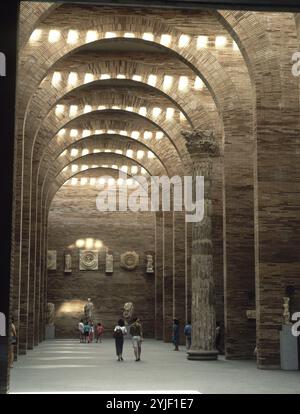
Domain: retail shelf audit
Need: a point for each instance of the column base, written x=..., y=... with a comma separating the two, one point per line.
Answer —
x=202, y=355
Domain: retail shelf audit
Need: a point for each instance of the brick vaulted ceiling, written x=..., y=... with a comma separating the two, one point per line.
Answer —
x=131, y=71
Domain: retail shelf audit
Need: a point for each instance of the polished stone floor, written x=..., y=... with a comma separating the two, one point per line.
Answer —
x=66, y=366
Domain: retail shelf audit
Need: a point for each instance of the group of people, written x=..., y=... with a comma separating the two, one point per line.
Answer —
x=88, y=333
x=136, y=333
x=188, y=334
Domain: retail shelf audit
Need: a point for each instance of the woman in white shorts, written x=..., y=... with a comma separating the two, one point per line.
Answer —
x=137, y=338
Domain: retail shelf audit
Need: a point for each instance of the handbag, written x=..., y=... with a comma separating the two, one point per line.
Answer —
x=13, y=340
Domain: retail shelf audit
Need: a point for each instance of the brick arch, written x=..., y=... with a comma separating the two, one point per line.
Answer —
x=103, y=142
x=47, y=95
x=63, y=177
x=153, y=166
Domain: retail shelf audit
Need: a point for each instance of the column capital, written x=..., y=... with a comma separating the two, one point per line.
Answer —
x=201, y=143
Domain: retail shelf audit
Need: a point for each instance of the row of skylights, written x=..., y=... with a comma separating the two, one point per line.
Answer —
x=128, y=153
x=182, y=83
x=75, y=168
x=73, y=37
x=75, y=110
x=76, y=133
x=130, y=182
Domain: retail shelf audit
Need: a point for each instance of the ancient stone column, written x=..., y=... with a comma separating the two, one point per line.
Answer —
x=202, y=147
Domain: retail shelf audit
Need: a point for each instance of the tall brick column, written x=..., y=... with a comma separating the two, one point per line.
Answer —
x=202, y=148
x=179, y=270
x=159, y=276
x=168, y=311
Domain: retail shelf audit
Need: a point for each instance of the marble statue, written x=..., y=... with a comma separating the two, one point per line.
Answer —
x=68, y=263
x=89, y=310
x=50, y=313
x=286, y=311
x=109, y=263
x=150, y=268
x=128, y=311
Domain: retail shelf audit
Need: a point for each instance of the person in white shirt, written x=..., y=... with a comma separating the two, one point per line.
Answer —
x=81, y=331
x=119, y=332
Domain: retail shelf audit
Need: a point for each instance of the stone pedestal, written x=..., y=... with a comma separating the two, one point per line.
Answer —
x=289, y=359
x=50, y=332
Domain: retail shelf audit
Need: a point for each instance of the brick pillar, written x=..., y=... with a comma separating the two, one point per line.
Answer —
x=159, y=276
x=179, y=270
x=167, y=275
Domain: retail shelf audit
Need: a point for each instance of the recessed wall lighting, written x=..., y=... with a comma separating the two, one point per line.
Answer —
x=159, y=135
x=143, y=111
x=59, y=110
x=156, y=112
x=89, y=77
x=120, y=76
x=151, y=155
x=167, y=83
x=105, y=76
x=124, y=133
x=101, y=107
x=140, y=154
x=74, y=168
x=152, y=79
x=128, y=34
x=137, y=78
x=110, y=35
x=87, y=108
x=170, y=113
x=129, y=153
x=202, y=42
x=35, y=35
x=54, y=36
x=148, y=36
x=220, y=41
x=165, y=40
x=84, y=167
x=86, y=133
x=85, y=152
x=72, y=37
x=62, y=132
x=135, y=134
x=83, y=181
x=184, y=41
x=134, y=169
x=148, y=135
x=91, y=36
x=129, y=108
x=235, y=46
x=183, y=83
x=74, y=133
x=74, y=152
x=198, y=85
x=73, y=79
x=73, y=110
x=56, y=78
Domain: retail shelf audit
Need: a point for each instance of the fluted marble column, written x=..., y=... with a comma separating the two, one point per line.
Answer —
x=203, y=148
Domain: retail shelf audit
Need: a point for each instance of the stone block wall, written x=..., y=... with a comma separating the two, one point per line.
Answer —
x=73, y=216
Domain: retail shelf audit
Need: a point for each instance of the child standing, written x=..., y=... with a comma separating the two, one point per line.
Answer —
x=99, y=332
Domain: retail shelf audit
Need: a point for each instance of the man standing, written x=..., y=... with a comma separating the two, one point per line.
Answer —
x=188, y=334
x=137, y=338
